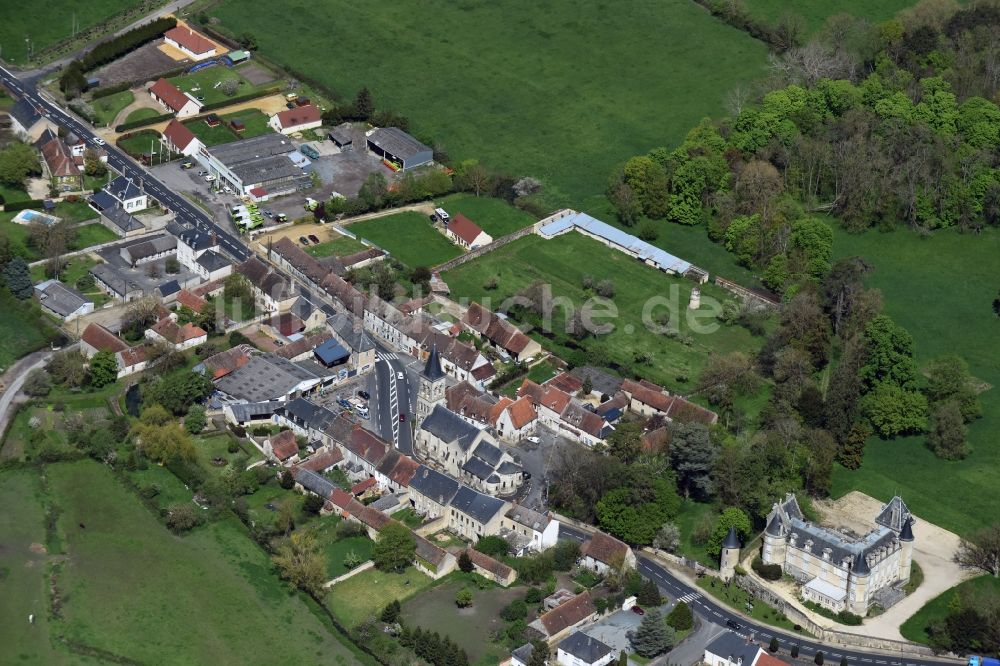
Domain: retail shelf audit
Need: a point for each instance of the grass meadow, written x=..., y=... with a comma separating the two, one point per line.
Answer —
x=915, y=628
x=107, y=108
x=563, y=262
x=815, y=12
x=940, y=289
x=23, y=329
x=49, y=23
x=359, y=597
x=337, y=246
x=133, y=589
x=409, y=237
x=559, y=90
x=471, y=628
x=494, y=216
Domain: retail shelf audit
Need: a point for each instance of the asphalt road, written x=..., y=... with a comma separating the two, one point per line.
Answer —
x=186, y=211
x=709, y=610
x=393, y=398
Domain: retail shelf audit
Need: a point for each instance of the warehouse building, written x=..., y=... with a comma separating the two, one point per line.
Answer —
x=259, y=162
x=396, y=146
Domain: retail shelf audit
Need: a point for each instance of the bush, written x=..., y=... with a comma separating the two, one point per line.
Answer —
x=391, y=612
x=313, y=504
x=115, y=47
x=534, y=595
x=182, y=517
x=142, y=122
x=681, y=618
x=288, y=482
x=515, y=610
x=766, y=571
x=264, y=92
x=98, y=93
x=23, y=205
x=774, y=646
x=463, y=598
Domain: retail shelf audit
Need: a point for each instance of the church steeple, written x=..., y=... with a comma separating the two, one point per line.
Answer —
x=432, y=370
x=432, y=385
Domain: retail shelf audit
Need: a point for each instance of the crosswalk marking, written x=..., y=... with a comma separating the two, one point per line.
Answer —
x=688, y=598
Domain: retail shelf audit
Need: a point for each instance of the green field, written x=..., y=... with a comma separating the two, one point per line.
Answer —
x=559, y=90
x=141, y=114
x=76, y=268
x=562, y=263
x=201, y=84
x=21, y=19
x=435, y=610
x=23, y=329
x=409, y=237
x=95, y=233
x=13, y=194
x=815, y=12
x=359, y=597
x=340, y=246
x=494, y=216
x=23, y=581
x=131, y=588
x=107, y=108
x=336, y=551
x=915, y=627
x=940, y=289
x=140, y=142
x=254, y=120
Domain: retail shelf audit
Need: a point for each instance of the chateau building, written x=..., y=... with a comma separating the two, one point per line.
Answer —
x=839, y=570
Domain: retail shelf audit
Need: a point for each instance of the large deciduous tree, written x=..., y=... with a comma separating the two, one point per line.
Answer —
x=981, y=551
x=300, y=562
x=394, y=548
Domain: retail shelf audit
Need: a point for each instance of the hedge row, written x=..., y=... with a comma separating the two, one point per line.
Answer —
x=118, y=46
x=22, y=205
x=270, y=90
x=124, y=127
x=97, y=93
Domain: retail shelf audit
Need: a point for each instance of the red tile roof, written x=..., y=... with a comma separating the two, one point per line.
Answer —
x=190, y=40
x=304, y=344
x=546, y=396
x=173, y=333
x=484, y=561
x=322, y=460
x=300, y=115
x=132, y=356
x=189, y=300
x=522, y=412
x=498, y=409
x=464, y=228
x=102, y=339
x=362, y=486
x=568, y=614
x=284, y=445
x=170, y=95
x=648, y=396
x=177, y=134
x=58, y=159
x=605, y=548
x=566, y=382
x=286, y=324
x=341, y=498
x=485, y=371
x=221, y=364
x=366, y=446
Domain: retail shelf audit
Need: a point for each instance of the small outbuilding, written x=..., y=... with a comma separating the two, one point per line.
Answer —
x=399, y=148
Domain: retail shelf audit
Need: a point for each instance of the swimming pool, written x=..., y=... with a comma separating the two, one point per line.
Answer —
x=34, y=217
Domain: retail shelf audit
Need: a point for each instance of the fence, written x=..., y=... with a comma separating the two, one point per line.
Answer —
x=747, y=294
x=480, y=251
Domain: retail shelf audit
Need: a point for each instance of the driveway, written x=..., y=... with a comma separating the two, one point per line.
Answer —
x=14, y=379
x=933, y=548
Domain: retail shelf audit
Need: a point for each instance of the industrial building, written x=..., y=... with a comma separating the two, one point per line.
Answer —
x=259, y=162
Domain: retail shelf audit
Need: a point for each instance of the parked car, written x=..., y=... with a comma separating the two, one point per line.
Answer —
x=364, y=395
x=638, y=610
x=314, y=239
x=98, y=140
x=202, y=173
x=735, y=626
x=303, y=240
x=533, y=439
x=269, y=213
x=187, y=164
x=399, y=376
x=343, y=403
x=209, y=178
x=402, y=418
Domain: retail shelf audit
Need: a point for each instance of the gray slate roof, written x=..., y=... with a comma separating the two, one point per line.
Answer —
x=733, y=647
x=351, y=332
x=249, y=411
x=585, y=648
x=481, y=508
x=434, y=485
x=59, y=298
x=25, y=113
x=397, y=142
x=246, y=150
x=314, y=482
x=264, y=377
x=213, y=261
x=123, y=189
x=196, y=240
x=477, y=468
x=308, y=413
x=602, y=381
x=489, y=453
x=448, y=426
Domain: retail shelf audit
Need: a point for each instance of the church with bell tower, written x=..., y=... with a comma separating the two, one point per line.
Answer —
x=432, y=386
